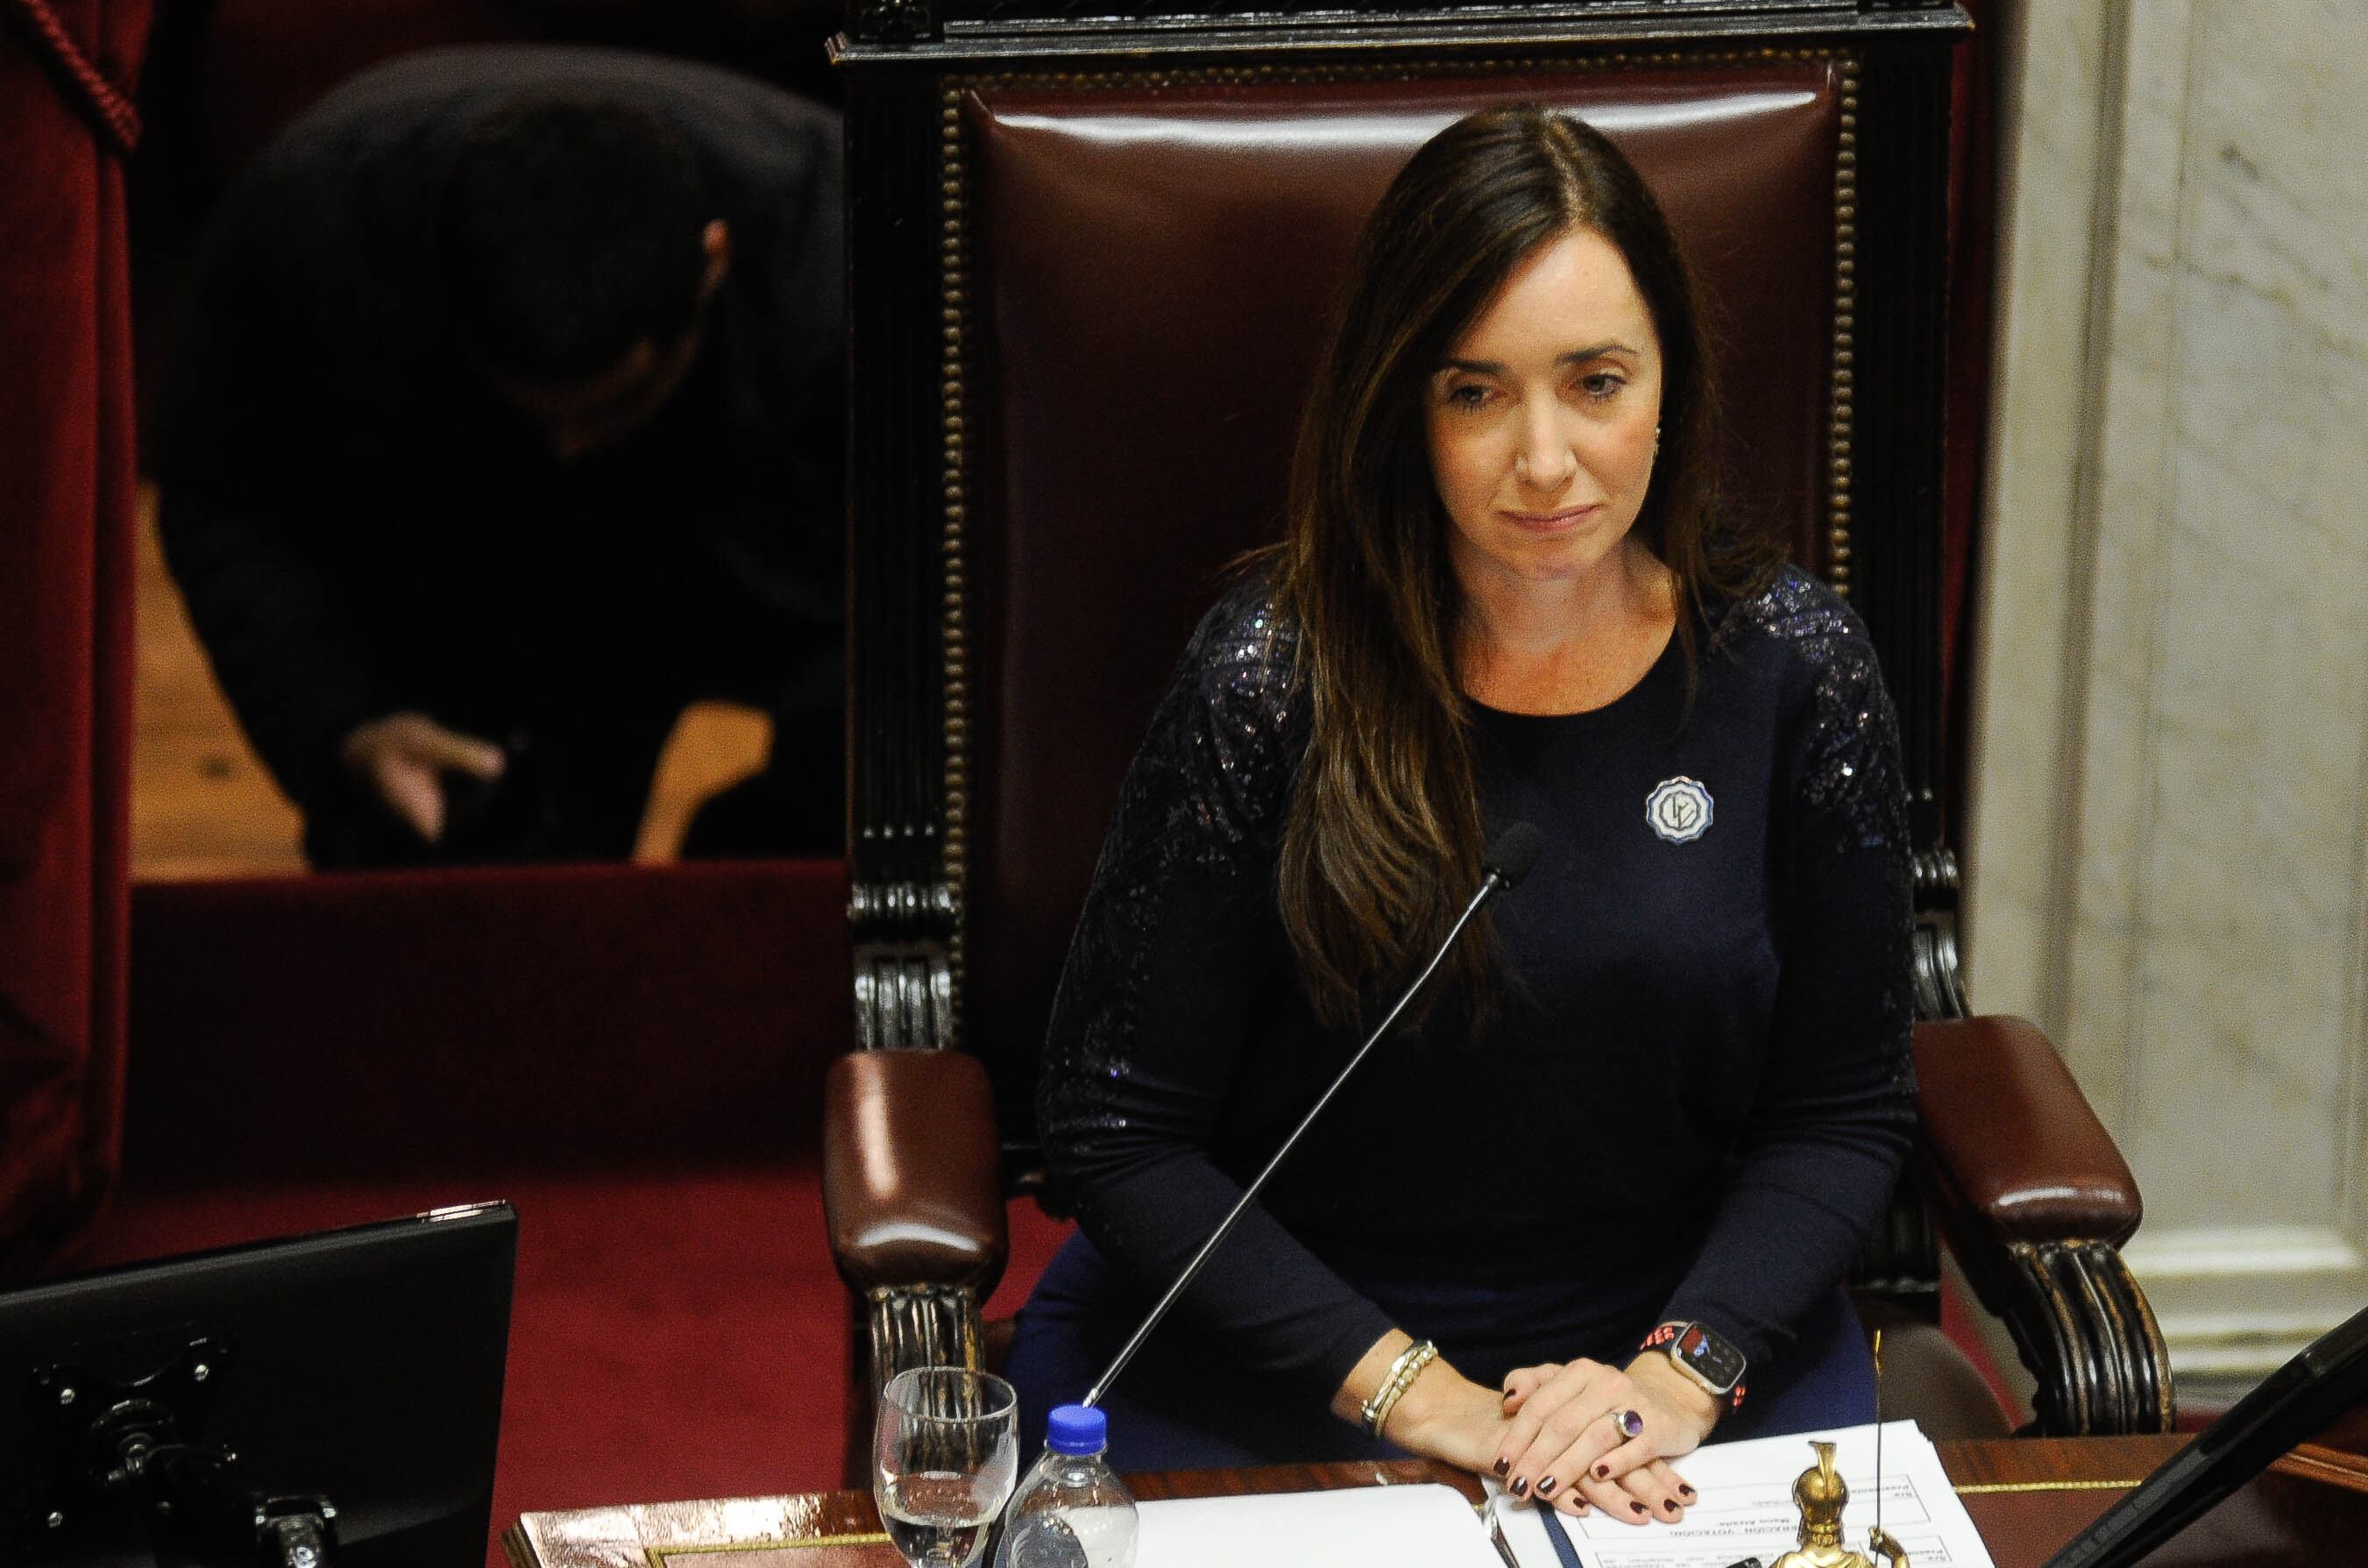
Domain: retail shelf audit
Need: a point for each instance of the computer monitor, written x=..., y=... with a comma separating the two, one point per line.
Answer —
x=360, y=1366
x=2324, y=1380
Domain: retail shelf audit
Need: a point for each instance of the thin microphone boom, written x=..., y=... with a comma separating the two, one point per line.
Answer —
x=1507, y=861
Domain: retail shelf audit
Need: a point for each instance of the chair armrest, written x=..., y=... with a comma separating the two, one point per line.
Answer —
x=911, y=1171
x=2014, y=1147
x=2036, y=1200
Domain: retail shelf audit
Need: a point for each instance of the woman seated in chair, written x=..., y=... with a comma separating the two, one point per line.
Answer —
x=1659, y=1101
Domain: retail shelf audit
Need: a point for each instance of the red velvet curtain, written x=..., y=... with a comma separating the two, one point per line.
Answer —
x=66, y=68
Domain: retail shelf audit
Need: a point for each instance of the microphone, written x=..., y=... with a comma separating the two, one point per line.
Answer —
x=1505, y=863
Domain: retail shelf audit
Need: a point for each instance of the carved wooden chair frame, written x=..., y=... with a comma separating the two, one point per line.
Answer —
x=2079, y=1320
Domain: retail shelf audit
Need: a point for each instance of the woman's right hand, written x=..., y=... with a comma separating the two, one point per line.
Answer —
x=1442, y=1416
x=1445, y=1415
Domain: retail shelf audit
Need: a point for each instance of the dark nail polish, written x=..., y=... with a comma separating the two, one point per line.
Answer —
x=1604, y=1473
x=1671, y=1504
x=1639, y=1507
x=1503, y=1465
x=1520, y=1487
x=1686, y=1491
x=1546, y=1486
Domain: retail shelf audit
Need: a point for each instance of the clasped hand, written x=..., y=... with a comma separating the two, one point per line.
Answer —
x=1553, y=1431
x=1564, y=1442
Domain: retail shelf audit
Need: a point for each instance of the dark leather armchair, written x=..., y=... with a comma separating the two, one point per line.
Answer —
x=1090, y=262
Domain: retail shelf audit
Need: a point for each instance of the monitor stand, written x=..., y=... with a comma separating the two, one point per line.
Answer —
x=128, y=1450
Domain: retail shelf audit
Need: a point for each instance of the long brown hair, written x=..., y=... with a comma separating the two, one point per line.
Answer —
x=1382, y=844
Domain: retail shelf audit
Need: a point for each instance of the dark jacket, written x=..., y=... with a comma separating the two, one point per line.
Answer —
x=362, y=526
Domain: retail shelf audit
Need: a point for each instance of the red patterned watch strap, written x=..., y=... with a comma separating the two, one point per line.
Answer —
x=1665, y=1335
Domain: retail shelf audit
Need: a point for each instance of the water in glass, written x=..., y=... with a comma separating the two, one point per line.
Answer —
x=945, y=1454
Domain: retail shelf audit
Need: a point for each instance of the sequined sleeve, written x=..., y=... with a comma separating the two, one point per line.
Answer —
x=1835, y=1108
x=1178, y=949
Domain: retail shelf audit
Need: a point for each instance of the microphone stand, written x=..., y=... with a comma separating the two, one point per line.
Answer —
x=1507, y=861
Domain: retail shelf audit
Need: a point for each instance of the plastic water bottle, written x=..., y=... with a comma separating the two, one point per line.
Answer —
x=1070, y=1511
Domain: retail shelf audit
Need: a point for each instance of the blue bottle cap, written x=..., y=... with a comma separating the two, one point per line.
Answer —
x=1078, y=1429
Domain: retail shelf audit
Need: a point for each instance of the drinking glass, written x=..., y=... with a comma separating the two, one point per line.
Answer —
x=945, y=1452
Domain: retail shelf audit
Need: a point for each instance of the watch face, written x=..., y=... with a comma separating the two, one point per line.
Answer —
x=1713, y=1359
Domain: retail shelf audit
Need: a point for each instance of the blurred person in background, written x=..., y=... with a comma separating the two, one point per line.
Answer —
x=506, y=421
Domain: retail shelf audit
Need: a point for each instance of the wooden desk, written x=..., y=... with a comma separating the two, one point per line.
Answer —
x=2027, y=1497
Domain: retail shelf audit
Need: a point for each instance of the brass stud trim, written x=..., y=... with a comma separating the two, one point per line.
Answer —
x=1418, y=68
x=1841, y=377
x=956, y=337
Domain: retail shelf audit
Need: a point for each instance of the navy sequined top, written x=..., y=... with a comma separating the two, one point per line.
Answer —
x=1697, y=1090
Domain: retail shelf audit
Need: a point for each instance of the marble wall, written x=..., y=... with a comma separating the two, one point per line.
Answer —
x=2168, y=864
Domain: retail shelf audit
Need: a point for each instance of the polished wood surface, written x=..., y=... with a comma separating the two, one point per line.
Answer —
x=2028, y=1497
x=201, y=803
x=2338, y=1456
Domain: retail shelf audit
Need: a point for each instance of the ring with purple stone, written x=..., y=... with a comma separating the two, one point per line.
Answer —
x=1627, y=1422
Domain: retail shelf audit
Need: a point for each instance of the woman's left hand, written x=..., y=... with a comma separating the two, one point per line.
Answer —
x=1566, y=1447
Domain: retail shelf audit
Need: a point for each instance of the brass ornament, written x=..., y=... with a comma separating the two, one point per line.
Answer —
x=1820, y=1493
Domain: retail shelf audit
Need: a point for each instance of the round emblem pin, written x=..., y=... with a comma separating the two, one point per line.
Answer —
x=1678, y=810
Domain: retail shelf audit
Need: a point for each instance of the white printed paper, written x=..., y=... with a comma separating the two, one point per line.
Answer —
x=1746, y=1508
x=1374, y=1526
